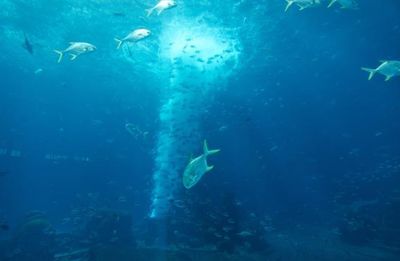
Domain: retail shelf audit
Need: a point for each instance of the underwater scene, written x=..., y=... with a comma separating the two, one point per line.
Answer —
x=199, y=130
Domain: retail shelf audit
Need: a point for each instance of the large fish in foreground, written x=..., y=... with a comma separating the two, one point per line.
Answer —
x=161, y=7
x=302, y=4
x=197, y=167
x=75, y=49
x=134, y=36
x=27, y=45
x=345, y=4
x=389, y=69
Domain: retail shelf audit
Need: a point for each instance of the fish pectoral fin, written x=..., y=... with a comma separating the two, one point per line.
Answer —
x=209, y=168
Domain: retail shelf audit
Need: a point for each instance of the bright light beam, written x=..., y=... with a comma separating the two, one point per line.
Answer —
x=201, y=59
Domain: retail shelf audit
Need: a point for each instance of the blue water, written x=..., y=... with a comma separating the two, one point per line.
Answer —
x=309, y=147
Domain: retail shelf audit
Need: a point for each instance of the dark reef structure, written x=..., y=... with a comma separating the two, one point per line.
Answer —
x=357, y=229
x=237, y=232
x=199, y=224
x=34, y=239
x=108, y=226
x=370, y=223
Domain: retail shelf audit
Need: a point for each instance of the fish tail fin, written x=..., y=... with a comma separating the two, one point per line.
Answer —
x=289, y=4
x=207, y=151
x=149, y=11
x=119, y=42
x=371, y=72
x=60, y=55
x=331, y=3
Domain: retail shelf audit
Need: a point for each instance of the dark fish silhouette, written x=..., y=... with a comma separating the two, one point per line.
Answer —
x=120, y=14
x=4, y=227
x=27, y=45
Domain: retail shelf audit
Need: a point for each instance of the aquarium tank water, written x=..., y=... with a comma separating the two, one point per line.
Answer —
x=181, y=130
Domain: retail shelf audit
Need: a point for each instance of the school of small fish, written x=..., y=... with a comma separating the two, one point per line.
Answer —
x=197, y=167
x=388, y=68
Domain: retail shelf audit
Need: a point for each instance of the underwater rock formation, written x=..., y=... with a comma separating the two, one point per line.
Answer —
x=34, y=239
x=110, y=227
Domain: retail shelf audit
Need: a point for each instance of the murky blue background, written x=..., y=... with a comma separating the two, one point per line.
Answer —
x=305, y=138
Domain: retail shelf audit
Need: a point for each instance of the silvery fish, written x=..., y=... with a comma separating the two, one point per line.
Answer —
x=387, y=68
x=345, y=4
x=161, y=6
x=302, y=4
x=133, y=36
x=75, y=49
x=197, y=167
